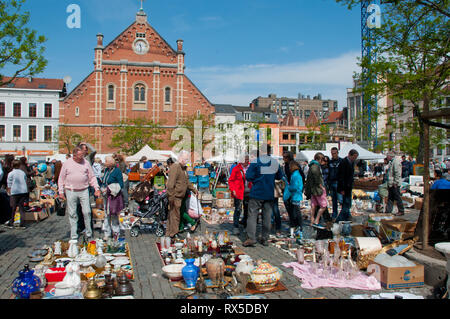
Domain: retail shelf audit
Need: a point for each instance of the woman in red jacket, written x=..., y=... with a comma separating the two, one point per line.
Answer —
x=238, y=185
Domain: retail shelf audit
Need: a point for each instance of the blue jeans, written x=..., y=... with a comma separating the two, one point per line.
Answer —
x=345, y=211
x=336, y=198
x=237, y=212
x=276, y=215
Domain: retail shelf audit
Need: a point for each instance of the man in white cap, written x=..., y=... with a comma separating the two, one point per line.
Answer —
x=394, y=180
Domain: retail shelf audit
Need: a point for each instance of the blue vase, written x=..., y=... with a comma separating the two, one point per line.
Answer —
x=26, y=283
x=190, y=273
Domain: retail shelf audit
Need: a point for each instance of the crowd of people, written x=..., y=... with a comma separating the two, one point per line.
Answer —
x=257, y=184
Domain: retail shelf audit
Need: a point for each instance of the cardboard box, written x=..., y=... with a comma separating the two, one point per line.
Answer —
x=201, y=171
x=358, y=231
x=374, y=220
x=98, y=214
x=36, y=216
x=408, y=199
x=418, y=203
x=400, y=277
x=223, y=195
x=224, y=203
x=49, y=201
x=399, y=224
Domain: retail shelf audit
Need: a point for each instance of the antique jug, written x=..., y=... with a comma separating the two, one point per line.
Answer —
x=216, y=269
x=73, y=251
x=26, y=283
x=109, y=285
x=93, y=291
x=124, y=287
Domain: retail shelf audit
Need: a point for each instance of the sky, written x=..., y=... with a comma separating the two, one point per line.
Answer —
x=236, y=50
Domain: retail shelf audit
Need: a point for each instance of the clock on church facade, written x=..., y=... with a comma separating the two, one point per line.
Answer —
x=137, y=75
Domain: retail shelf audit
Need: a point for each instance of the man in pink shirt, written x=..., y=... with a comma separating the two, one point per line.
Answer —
x=74, y=180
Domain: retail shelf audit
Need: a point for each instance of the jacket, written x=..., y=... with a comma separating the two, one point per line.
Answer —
x=314, y=181
x=394, y=173
x=294, y=190
x=236, y=182
x=345, y=176
x=178, y=182
x=333, y=170
x=112, y=175
x=263, y=172
x=17, y=182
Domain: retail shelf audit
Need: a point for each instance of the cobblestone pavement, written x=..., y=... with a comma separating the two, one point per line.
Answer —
x=149, y=282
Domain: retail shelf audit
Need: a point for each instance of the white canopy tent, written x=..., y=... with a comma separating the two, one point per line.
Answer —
x=147, y=152
x=167, y=154
x=221, y=158
x=363, y=153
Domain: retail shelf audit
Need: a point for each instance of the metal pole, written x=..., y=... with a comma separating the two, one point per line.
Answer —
x=426, y=186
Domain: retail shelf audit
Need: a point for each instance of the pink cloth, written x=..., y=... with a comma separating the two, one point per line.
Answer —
x=76, y=176
x=313, y=281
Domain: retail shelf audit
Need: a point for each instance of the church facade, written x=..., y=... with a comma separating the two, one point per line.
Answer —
x=137, y=75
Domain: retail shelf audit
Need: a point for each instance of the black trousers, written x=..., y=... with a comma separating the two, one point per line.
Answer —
x=18, y=201
x=394, y=195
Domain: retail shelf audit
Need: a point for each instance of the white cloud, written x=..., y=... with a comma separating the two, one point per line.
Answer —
x=241, y=84
x=334, y=71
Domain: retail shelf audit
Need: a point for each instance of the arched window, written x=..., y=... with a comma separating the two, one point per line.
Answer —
x=167, y=95
x=110, y=92
x=139, y=93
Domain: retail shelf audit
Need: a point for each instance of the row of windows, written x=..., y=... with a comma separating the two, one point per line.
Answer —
x=32, y=109
x=32, y=130
x=139, y=93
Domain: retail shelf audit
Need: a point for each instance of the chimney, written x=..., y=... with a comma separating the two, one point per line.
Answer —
x=99, y=40
x=180, y=45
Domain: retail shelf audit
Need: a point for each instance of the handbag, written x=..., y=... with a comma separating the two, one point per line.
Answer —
x=60, y=207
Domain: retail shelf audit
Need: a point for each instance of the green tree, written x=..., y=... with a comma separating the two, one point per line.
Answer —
x=197, y=134
x=21, y=48
x=132, y=135
x=68, y=138
x=412, y=57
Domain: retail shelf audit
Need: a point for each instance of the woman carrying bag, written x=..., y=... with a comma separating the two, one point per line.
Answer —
x=294, y=193
x=111, y=186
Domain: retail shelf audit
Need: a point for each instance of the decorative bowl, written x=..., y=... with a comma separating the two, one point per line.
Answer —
x=173, y=271
x=265, y=277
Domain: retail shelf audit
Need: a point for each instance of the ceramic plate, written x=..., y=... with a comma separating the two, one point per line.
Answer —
x=120, y=261
x=109, y=258
x=36, y=259
x=119, y=254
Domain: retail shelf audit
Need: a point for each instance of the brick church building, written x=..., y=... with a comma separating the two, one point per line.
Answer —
x=137, y=75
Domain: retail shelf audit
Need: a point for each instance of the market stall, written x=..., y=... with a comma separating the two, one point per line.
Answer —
x=69, y=270
x=211, y=263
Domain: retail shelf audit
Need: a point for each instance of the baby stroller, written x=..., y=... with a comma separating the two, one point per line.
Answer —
x=151, y=215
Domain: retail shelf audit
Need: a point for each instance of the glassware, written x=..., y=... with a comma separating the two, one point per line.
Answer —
x=314, y=267
x=167, y=240
x=162, y=242
x=301, y=256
